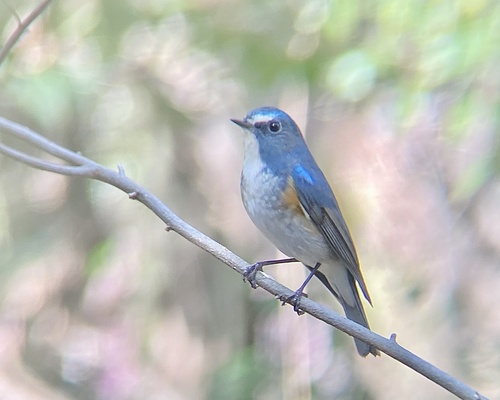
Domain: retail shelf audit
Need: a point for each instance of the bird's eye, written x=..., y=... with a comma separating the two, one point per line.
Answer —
x=274, y=126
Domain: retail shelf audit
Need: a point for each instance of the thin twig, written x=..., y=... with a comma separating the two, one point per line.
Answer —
x=21, y=27
x=90, y=169
x=13, y=12
x=35, y=162
x=26, y=134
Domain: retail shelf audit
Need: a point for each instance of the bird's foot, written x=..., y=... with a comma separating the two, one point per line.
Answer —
x=294, y=300
x=251, y=273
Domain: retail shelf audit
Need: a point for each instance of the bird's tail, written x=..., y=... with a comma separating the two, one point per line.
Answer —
x=357, y=314
x=354, y=312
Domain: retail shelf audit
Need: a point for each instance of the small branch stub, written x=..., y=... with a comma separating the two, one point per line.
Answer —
x=121, y=170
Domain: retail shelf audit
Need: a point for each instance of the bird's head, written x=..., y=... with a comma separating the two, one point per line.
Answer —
x=273, y=129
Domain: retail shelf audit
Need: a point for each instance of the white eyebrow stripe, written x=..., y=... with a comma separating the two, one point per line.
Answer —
x=259, y=118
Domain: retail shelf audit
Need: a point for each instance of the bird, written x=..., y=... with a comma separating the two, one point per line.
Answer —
x=290, y=201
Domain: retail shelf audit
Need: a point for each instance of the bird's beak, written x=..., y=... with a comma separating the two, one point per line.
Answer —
x=241, y=122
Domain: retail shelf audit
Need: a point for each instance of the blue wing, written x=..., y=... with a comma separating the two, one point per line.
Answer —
x=318, y=201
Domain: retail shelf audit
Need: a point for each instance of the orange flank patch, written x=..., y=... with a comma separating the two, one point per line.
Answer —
x=290, y=198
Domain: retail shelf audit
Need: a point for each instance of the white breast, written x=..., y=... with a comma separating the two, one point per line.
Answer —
x=256, y=182
x=252, y=165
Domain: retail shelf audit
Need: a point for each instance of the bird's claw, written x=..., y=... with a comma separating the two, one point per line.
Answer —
x=250, y=274
x=294, y=300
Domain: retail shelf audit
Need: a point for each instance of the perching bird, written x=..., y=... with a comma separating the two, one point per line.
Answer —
x=289, y=199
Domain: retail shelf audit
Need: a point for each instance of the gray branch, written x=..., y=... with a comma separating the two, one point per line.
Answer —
x=74, y=164
x=21, y=27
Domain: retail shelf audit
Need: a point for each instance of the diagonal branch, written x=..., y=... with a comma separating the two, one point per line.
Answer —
x=21, y=27
x=87, y=168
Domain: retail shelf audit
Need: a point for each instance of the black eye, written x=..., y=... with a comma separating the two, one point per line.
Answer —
x=274, y=126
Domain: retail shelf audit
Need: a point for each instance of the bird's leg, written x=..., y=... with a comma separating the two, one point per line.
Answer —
x=294, y=299
x=252, y=270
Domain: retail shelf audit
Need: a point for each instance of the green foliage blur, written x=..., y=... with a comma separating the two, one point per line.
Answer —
x=399, y=102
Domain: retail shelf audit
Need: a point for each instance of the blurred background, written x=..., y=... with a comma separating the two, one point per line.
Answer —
x=399, y=102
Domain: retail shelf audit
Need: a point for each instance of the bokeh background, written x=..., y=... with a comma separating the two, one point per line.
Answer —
x=399, y=102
